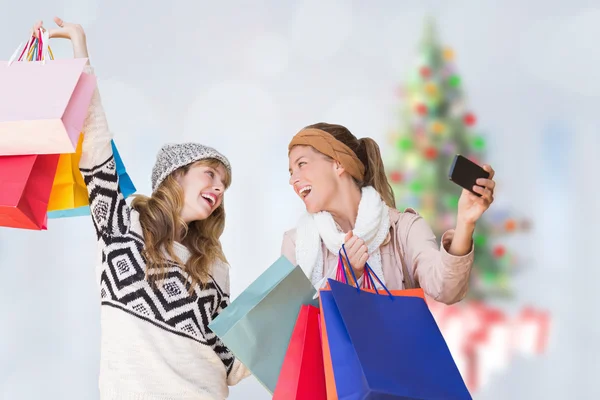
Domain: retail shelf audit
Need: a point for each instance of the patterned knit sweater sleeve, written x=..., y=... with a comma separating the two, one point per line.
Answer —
x=109, y=210
x=236, y=371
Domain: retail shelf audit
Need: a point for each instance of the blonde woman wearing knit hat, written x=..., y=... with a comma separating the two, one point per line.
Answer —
x=161, y=270
x=348, y=199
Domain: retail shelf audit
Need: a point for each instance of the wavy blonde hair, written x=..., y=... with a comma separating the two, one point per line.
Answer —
x=162, y=225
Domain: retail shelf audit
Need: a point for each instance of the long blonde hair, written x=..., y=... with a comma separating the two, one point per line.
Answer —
x=162, y=225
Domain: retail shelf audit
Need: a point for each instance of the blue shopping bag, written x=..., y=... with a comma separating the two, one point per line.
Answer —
x=257, y=326
x=386, y=346
x=125, y=184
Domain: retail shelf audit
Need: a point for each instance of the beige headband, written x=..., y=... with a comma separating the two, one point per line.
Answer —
x=325, y=143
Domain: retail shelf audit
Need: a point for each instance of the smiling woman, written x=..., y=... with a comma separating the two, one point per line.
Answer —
x=342, y=182
x=311, y=163
x=162, y=274
x=186, y=207
x=203, y=184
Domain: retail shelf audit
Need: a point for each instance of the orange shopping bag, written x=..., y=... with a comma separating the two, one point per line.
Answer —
x=68, y=190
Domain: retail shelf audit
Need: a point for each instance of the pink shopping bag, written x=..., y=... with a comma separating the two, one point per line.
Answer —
x=43, y=105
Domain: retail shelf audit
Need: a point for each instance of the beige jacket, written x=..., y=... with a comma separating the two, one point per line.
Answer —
x=411, y=249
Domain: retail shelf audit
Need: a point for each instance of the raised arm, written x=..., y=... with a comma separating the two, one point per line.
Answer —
x=442, y=275
x=109, y=210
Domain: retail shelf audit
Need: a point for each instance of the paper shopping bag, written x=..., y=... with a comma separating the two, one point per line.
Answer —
x=73, y=198
x=125, y=183
x=43, y=106
x=302, y=375
x=386, y=346
x=68, y=190
x=70, y=213
x=258, y=324
x=25, y=185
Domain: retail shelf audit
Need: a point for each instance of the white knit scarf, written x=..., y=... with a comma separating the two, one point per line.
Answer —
x=372, y=225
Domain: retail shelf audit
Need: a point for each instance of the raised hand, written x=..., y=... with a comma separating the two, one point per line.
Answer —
x=472, y=207
x=66, y=30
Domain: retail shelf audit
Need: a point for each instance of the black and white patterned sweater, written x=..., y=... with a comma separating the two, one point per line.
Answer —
x=155, y=343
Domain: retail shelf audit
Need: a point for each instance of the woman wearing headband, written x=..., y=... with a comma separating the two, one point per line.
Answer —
x=348, y=199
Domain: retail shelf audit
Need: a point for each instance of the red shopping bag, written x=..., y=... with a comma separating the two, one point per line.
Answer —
x=302, y=375
x=25, y=186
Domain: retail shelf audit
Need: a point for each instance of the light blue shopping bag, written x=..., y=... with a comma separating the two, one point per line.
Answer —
x=258, y=324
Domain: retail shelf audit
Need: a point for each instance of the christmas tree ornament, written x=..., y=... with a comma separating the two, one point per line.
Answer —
x=454, y=81
x=412, y=161
x=425, y=72
x=421, y=109
x=499, y=251
x=448, y=54
x=405, y=143
x=416, y=187
x=479, y=240
x=431, y=89
x=489, y=277
x=437, y=127
x=449, y=148
x=478, y=143
x=396, y=176
x=469, y=119
x=431, y=153
x=510, y=225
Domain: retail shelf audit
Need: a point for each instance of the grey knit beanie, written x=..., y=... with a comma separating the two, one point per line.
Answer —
x=176, y=155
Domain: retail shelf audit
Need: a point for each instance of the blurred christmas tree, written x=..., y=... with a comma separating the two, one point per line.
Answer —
x=436, y=124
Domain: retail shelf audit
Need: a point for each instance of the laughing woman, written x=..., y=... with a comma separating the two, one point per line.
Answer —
x=161, y=271
x=348, y=199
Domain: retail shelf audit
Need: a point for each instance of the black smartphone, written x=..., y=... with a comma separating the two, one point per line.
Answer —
x=465, y=173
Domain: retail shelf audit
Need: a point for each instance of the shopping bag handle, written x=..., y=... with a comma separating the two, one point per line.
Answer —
x=342, y=269
x=370, y=274
x=35, y=49
x=42, y=50
x=14, y=56
x=368, y=271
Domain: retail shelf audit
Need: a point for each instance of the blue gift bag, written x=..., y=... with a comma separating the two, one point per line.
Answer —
x=257, y=326
x=125, y=184
x=384, y=347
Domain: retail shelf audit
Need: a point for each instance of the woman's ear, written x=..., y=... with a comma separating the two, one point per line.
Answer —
x=179, y=175
x=338, y=168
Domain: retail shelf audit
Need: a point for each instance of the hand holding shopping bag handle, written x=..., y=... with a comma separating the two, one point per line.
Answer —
x=368, y=274
x=358, y=253
x=66, y=30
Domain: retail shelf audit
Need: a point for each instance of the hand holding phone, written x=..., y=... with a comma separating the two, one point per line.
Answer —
x=465, y=173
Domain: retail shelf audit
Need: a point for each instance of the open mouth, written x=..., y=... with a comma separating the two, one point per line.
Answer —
x=210, y=198
x=305, y=191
